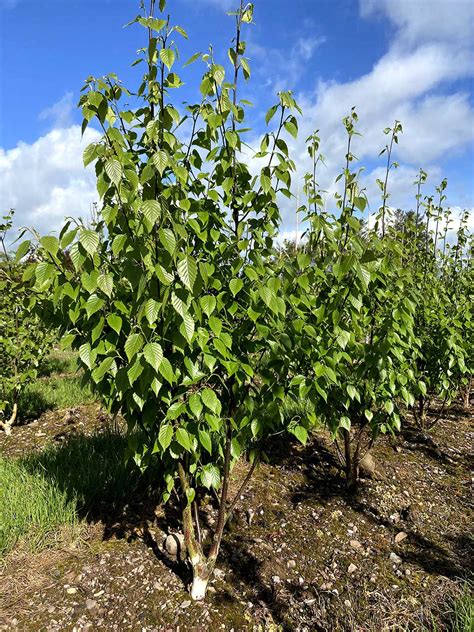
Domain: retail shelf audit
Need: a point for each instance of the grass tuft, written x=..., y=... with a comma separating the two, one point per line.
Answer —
x=32, y=508
x=90, y=470
x=50, y=393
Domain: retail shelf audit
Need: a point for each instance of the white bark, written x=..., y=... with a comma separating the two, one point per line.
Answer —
x=199, y=588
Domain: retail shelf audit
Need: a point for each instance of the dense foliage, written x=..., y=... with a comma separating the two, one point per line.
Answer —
x=190, y=321
x=23, y=337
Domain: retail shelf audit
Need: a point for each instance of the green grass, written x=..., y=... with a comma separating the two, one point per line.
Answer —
x=459, y=617
x=58, y=362
x=90, y=470
x=51, y=393
x=58, y=385
x=47, y=494
x=32, y=508
x=461, y=614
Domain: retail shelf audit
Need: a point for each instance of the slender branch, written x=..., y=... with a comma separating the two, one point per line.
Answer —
x=242, y=488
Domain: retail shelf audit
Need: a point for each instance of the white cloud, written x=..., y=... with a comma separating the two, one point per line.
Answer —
x=60, y=114
x=422, y=20
x=282, y=69
x=46, y=180
x=413, y=82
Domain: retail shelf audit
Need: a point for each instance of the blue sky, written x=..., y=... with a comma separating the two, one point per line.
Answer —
x=406, y=59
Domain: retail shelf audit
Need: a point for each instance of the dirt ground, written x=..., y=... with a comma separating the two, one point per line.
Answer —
x=301, y=554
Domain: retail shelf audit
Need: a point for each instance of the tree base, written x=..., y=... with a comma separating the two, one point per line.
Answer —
x=199, y=588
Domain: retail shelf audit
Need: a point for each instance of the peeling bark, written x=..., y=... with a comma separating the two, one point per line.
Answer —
x=7, y=425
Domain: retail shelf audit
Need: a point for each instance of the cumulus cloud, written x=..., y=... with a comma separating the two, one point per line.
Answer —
x=414, y=82
x=60, y=114
x=423, y=20
x=46, y=180
x=283, y=69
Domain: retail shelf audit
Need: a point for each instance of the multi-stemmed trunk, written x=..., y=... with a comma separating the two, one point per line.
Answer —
x=203, y=564
x=7, y=425
x=351, y=460
x=467, y=394
x=419, y=412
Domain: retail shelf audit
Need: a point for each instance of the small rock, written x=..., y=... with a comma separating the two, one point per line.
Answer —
x=395, y=558
x=276, y=579
x=401, y=535
x=71, y=591
x=347, y=603
x=355, y=544
x=351, y=568
x=291, y=564
x=174, y=545
x=367, y=466
x=90, y=604
x=185, y=604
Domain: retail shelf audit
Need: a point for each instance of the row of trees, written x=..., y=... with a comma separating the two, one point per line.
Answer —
x=191, y=322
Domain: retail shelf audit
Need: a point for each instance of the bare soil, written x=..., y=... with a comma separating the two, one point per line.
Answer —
x=300, y=554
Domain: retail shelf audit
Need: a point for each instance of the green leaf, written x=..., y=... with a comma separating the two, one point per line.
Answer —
x=351, y=391
x=115, y=322
x=151, y=209
x=188, y=326
x=364, y=275
x=151, y=310
x=210, y=476
x=134, y=371
x=89, y=240
x=167, y=239
x=166, y=370
x=208, y=304
x=93, y=304
x=102, y=369
x=114, y=170
x=270, y=114
x=167, y=56
x=209, y=399
x=183, y=438
x=195, y=405
x=266, y=182
x=216, y=326
x=187, y=271
x=22, y=250
x=160, y=160
x=205, y=440
x=153, y=354
x=106, y=284
x=301, y=434
x=133, y=345
x=50, y=244
x=89, y=154
x=343, y=338
x=165, y=435
x=292, y=128
x=345, y=423
x=235, y=286
x=86, y=355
